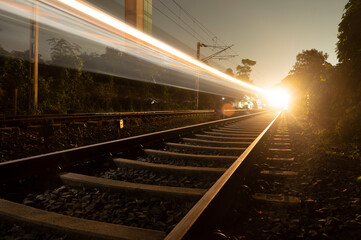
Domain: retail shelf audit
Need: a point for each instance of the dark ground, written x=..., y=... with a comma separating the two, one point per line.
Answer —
x=329, y=185
x=25, y=142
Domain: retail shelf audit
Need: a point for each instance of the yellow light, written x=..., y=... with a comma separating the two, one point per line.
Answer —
x=115, y=23
x=278, y=98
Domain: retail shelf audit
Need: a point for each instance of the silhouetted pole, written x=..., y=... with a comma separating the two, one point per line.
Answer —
x=197, y=78
x=15, y=101
x=214, y=55
x=34, y=55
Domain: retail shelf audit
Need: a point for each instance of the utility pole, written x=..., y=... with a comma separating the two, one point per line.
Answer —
x=197, y=78
x=34, y=55
x=199, y=45
x=15, y=101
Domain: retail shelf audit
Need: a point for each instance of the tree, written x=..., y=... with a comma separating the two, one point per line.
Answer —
x=349, y=80
x=307, y=80
x=229, y=71
x=308, y=69
x=349, y=41
x=64, y=53
x=14, y=75
x=244, y=70
x=310, y=61
x=68, y=86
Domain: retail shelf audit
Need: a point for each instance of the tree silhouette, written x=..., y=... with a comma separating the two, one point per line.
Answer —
x=229, y=71
x=244, y=70
x=349, y=41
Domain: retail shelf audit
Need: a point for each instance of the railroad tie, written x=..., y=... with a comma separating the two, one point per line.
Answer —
x=215, y=143
x=171, y=169
x=206, y=149
x=276, y=198
x=281, y=139
x=184, y=156
x=223, y=138
x=241, y=129
x=275, y=150
x=246, y=134
x=77, y=228
x=241, y=135
x=279, y=173
x=80, y=180
x=279, y=161
x=282, y=143
x=236, y=131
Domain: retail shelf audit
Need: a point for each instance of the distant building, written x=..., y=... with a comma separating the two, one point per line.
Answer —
x=148, y=16
x=137, y=13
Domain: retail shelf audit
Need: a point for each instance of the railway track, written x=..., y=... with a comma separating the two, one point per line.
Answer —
x=46, y=119
x=168, y=184
x=271, y=204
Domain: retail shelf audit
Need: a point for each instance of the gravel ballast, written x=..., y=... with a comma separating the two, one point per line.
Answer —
x=108, y=207
x=149, y=177
x=328, y=184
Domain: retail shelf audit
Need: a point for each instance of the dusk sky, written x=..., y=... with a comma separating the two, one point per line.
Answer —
x=269, y=32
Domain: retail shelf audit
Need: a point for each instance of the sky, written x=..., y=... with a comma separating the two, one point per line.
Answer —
x=270, y=32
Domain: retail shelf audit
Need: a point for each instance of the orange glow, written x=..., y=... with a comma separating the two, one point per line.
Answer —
x=228, y=110
x=100, y=16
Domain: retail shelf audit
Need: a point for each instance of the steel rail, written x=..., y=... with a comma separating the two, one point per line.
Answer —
x=213, y=205
x=15, y=120
x=57, y=161
x=29, y=118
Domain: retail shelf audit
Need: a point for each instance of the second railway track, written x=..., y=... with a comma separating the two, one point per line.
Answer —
x=154, y=186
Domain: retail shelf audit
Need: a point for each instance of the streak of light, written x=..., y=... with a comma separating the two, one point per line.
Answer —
x=110, y=21
x=21, y=7
x=107, y=39
x=183, y=67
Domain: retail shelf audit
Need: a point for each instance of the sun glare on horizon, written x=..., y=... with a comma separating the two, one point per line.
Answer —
x=278, y=98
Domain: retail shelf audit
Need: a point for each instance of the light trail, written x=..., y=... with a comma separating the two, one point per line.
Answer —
x=160, y=63
x=105, y=18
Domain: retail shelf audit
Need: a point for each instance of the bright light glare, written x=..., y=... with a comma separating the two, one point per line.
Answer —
x=105, y=18
x=278, y=98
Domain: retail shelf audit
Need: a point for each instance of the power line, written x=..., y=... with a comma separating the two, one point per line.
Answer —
x=191, y=30
x=203, y=28
x=207, y=31
x=183, y=21
x=174, y=21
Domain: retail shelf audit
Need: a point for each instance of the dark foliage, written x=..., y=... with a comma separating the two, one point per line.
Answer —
x=66, y=86
x=330, y=96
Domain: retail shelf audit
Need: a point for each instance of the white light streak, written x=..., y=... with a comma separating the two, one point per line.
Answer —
x=105, y=18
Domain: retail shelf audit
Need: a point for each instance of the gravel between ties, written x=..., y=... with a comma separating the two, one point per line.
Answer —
x=151, y=213
x=329, y=188
x=187, y=162
x=149, y=177
x=11, y=231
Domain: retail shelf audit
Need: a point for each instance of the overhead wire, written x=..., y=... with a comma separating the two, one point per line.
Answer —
x=204, y=28
x=183, y=21
x=175, y=22
x=207, y=31
x=201, y=26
